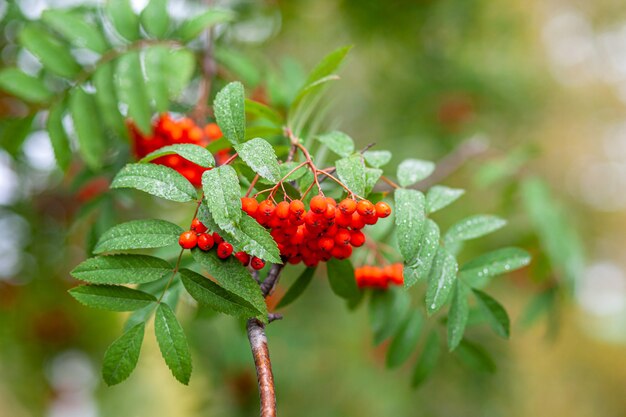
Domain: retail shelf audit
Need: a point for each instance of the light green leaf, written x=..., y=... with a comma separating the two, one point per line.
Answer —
x=427, y=361
x=259, y=155
x=222, y=194
x=138, y=234
x=53, y=55
x=23, y=86
x=473, y=227
x=121, y=357
x=420, y=267
x=76, y=29
x=341, y=278
x=477, y=271
x=172, y=343
x=208, y=293
x=439, y=197
x=112, y=297
x=329, y=64
x=193, y=27
x=496, y=314
x=13, y=132
x=156, y=59
x=106, y=99
x=131, y=90
x=410, y=220
x=377, y=159
x=351, y=171
x=178, y=70
x=372, y=175
x=230, y=112
x=193, y=153
x=458, y=315
x=58, y=138
x=157, y=180
x=405, y=340
x=338, y=142
x=476, y=357
x=91, y=140
x=411, y=171
x=123, y=18
x=387, y=310
x=256, y=109
x=154, y=18
x=297, y=288
x=440, y=280
x=121, y=269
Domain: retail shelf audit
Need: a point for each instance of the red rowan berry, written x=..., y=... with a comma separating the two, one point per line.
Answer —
x=205, y=241
x=342, y=237
x=357, y=238
x=331, y=201
x=217, y=238
x=382, y=209
x=197, y=226
x=365, y=208
x=243, y=257
x=370, y=219
x=343, y=220
x=266, y=208
x=249, y=205
x=257, y=263
x=282, y=210
x=295, y=260
x=347, y=206
x=296, y=220
x=188, y=240
x=330, y=212
x=224, y=250
x=357, y=221
x=318, y=204
x=326, y=244
x=212, y=131
x=296, y=208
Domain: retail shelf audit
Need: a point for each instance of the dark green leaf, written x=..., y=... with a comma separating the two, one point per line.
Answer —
x=241, y=64
x=23, y=86
x=377, y=159
x=230, y=112
x=193, y=27
x=405, y=341
x=157, y=180
x=91, y=140
x=411, y=171
x=123, y=18
x=76, y=29
x=131, y=90
x=458, y=315
x=194, y=153
x=112, y=297
x=351, y=171
x=473, y=227
x=58, y=138
x=154, y=18
x=259, y=155
x=121, y=357
x=420, y=268
x=410, y=219
x=427, y=361
x=222, y=194
x=439, y=197
x=387, y=310
x=173, y=343
x=341, y=278
x=121, y=269
x=496, y=314
x=53, y=55
x=256, y=109
x=297, y=288
x=477, y=271
x=476, y=357
x=440, y=280
x=338, y=142
x=138, y=234
x=249, y=236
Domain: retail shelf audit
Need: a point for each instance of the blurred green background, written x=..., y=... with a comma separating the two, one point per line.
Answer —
x=539, y=87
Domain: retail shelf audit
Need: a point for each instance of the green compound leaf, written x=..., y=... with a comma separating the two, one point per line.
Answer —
x=222, y=194
x=23, y=86
x=138, y=234
x=106, y=99
x=91, y=139
x=193, y=27
x=76, y=29
x=121, y=269
x=405, y=341
x=328, y=65
x=256, y=109
x=427, y=361
x=173, y=343
x=157, y=90
x=494, y=312
x=377, y=159
x=208, y=293
x=158, y=180
x=428, y=246
x=473, y=227
x=252, y=238
x=439, y=197
x=458, y=315
x=387, y=310
x=121, y=357
x=372, y=175
x=112, y=297
x=123, y=18
x=410, y=218
x=297, y=288
x=475, y=357
x=351, y=171
x=230, y=112
x=193, y=153
x=411, y=171
x=338, y=142
x=53, y=54
x=131, y=90
x=155, y=19
x=341, y=278
x=501, y=261
x=259, y=155
x=58, y=137
x=440, y=280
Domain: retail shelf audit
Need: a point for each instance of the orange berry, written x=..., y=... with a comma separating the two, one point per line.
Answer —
x=326, y=244
x=197, y=226
x=365, y=208
x=205, y=241
x=296, y=207
x=343, y=220
x=212, y=131
x=282, y=210
x=382, y=209
x=342, y=237
x=357, y=238
x=266, y=208
x=224, y=250
x=347, y=206
x=357, y=221
x=188, y=240
x=318, y=204
x=249, y=205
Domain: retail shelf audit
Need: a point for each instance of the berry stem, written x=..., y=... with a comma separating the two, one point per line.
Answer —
x=388, y=181
x=252, y=184
x=231, y=159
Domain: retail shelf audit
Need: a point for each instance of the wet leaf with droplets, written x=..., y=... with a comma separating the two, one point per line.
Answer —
x=477, y=272
x=440, y=281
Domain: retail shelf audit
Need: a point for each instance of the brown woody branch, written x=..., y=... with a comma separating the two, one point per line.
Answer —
x=261, y=355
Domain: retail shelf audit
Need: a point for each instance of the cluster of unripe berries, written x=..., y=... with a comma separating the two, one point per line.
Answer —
x=199, y=236
x=369, y=276
x=327, y=230
x=168, y=131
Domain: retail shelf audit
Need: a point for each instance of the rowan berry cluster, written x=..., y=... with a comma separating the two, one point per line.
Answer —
x=169, y=131
x=369, y=276
x=200, y=236
x=327, y=230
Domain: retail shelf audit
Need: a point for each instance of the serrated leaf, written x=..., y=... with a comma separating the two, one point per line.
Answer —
x=230, y=112
x=193, y=27
x=208, y=293
x=53, y=55
x=131, y=89
x=222, y=194
x=193, y=153
x=410, y=218
x=23, y=86
x=440, y=280
x=58, y=138
x=478, y=270
x=372, y=175
x=123, y=18
x=121, y=269
x=76, y=29
x=297, y=288
x=387, y=310
x=121, y=357
x=234, y=277
x=411, y=171
x=112, y=297
x=473, y=227
x=106, y=99
x=458, y=315
x=476, y=357
x=155, y=19
x=249, y=236
x=158, y=180
x=377, y=159
x=262, y=111
x=351, y=171
x=341, y=278
x=420, y=267
x=288, y=167
x=439, y=197
x=171, y=296
x=405, y=340
x=157, y=90
x=338, y=142
x=427, y=361
x=172, y=343
x=88, y=128
x=259, y=155
x=138, y=234
x=329, y=64
x=496, y=314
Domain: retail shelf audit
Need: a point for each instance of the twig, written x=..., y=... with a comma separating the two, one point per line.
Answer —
x=267, y=286
x=261, y=355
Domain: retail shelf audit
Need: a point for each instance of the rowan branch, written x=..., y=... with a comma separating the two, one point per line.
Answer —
x=265, y=378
